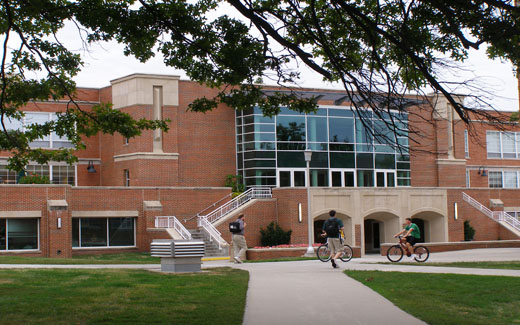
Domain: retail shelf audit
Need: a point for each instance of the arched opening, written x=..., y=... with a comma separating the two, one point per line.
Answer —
x=379, y=227
x=432, y=226
x=318, y=227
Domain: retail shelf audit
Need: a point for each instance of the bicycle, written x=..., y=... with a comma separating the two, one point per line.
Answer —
x=323, y=252
x=395, y=253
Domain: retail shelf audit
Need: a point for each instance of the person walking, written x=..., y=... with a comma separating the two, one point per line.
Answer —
x=332, y=228
x=239, y=241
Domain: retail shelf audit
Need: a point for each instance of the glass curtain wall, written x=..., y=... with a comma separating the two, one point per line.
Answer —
x=347, y=151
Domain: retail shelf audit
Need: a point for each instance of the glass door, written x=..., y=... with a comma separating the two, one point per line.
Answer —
x=294, y=177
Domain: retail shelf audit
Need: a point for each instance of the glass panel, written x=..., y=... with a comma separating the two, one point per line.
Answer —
x=22, y=234
x=385, y=161
x=341, y=147
x=390, y=179
x=285, y=178
x=403, y=182
x=510, y=180
x=291, y=145
x=349, y=179
x=340, y=112
x=364, y=160
x=3, y=236
x=342, y=160
x=493, y=144
x=13, y=124
x=121, y=231
x=260, y=181
x=299, y=178
x=382, y=133
x=317, y=129
x=495, y=179
x=290, y=159
x=508, y=145
x=403, y=165
x=319, y=177
x=38, y=119
x=290, y=128
x=93, y=232
x=320, y=159
x=259, y=163
x=341, y=130
x=365, y=178
x=287, y=111
x=261, y=172
x=336, y=179
x=259, y=154
x=363, y=134
x=380, y=176
x=75, y=232
x=7, y=176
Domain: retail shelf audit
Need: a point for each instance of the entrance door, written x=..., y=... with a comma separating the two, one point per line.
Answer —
x=291, y=178
x=385, y=178
x=343, y=177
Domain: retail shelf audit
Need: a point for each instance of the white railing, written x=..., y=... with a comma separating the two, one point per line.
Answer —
x=499, y=216
x=213, y=233
x=172, y=222
x=237, y=202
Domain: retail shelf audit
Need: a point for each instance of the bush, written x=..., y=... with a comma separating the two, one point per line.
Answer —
x=34, y=179
x=274, y=235
x=235, y=182
x=469, y=232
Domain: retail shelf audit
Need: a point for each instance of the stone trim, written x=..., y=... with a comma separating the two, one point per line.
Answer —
x=20, y=214
x=146, y=155
x=105, y=214
x=152, y=205
x=450, y=161
x=144, y=76
x=57, y=205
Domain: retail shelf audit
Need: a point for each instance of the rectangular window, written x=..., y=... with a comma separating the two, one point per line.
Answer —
x=508, y=145
x=510, y=180
x=19, y=234
x=466, y=144
x=126, y=173
x=468, y=174
x=103, y=232
x=493, y=144
x=495, y=179
x=52, y=141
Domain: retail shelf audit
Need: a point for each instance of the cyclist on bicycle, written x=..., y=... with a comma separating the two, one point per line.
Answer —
x=411, y=236
x=332, y=228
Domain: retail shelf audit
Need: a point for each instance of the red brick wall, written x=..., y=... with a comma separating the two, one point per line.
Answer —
x=288, y=200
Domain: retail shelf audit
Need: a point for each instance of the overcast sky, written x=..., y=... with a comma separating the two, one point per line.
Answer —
x=105, y=62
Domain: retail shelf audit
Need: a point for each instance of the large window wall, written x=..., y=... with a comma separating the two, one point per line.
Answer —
x=19, y=234
x=103, y=232
x=346, y=151
x=57, y=174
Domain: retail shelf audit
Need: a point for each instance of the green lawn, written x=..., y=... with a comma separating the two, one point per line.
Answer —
x=122, y=258
x=122, y=296
x=510, y=265
x=448, y=298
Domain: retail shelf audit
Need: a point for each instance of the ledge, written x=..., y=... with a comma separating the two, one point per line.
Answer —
x=105, y=214
x=450, y=161
x=20, y=214
x=146, y=155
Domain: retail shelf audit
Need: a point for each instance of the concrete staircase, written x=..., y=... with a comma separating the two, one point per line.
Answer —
x=212, y=249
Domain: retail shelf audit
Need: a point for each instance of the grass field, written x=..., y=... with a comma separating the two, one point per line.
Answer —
x=448, y=298
x=122, y=296
x=509, y=265
x=122, y=258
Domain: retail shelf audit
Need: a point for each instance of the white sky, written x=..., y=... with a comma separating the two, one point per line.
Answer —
x=105, y=62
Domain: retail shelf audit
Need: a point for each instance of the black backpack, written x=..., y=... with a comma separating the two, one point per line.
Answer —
x=332, y=228
x=234, y=227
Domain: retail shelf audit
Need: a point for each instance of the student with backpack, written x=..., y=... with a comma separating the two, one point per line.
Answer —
x=239, y=241
x=331, y=228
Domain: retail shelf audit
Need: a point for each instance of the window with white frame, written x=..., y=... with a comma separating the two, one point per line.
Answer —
x=505, y=145
x=466, y=144
x=504, y=179
x=57, y=174
x=468, y=178
x=126, y=173
x=52, y=141
x=103, y=232
x=19, y=234
x=495, y=179
x=510, y=179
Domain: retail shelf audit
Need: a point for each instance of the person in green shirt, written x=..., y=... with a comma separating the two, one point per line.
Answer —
x=411, y=236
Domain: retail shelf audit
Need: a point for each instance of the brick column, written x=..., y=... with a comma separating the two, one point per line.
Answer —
x=60, y=229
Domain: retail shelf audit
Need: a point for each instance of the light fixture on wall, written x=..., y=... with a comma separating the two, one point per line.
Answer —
x=455, y=211
x=300, y=213
x=482, y=171
x=59, y=223
x=90, y=167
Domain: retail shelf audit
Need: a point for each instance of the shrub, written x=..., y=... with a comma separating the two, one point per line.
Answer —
x=34, y=179
x=274, y=235
x=235, y=182
x=469, y=232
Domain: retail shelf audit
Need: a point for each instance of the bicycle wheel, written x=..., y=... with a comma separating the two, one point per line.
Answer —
x=394, y=253
x=421, y=253
x=347, y=253
x=323, y=253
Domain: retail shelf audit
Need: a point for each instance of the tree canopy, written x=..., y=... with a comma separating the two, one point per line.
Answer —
x=379, y=51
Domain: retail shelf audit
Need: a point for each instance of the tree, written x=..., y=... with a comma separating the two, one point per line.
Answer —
x=380, y=51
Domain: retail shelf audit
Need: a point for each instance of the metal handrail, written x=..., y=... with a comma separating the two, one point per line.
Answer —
x=207, y=208
x=172, y=222
x=252, y=193
x=500, y=216
x=213, y=232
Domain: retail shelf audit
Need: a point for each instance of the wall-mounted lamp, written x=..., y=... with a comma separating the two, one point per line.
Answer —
x=59, y=223
x=90, y=167
x=300, y=213
x=482, y=171
x=455, y=211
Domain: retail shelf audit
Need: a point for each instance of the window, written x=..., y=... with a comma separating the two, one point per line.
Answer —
x=57, y=174
x=52, y=141
x=466, y=144
x=495, y=179
x=19, y=234
x=125, y=140
x=510, y=180
x=126, y=173
x=468, y=174
x=505, y=145
x=103, y=232
x=493, y=144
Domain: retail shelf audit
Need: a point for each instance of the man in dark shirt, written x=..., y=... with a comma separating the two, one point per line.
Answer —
x=332, y=228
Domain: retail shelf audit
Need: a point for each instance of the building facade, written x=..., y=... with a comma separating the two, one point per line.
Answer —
x=110, y=199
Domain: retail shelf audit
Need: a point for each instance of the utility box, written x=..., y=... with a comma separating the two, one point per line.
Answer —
x=178, y=256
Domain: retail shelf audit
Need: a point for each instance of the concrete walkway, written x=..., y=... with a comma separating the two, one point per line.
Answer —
x=312, y=292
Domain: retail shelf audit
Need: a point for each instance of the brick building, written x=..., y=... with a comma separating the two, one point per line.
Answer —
x=110, y=199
